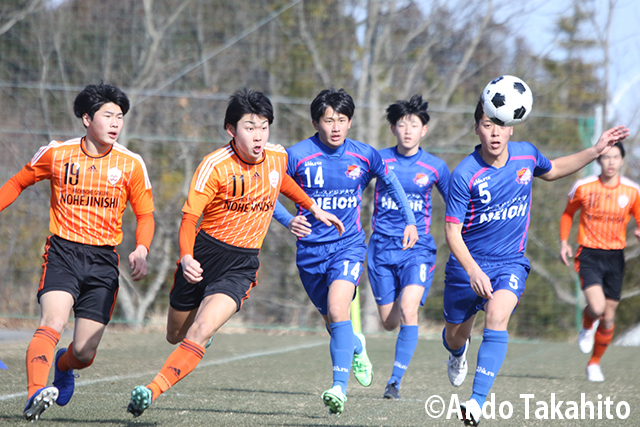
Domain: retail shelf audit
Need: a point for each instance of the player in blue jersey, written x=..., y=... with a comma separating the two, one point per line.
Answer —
x=334, y=170
x=487, y=218
x=401, y=279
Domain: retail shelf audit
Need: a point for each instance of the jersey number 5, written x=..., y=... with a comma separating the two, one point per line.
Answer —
x=484, y=193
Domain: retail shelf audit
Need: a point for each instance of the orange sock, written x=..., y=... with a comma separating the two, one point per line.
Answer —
x=587, y=321
x=40, y=357
x=68, y=361
x=180, y=363
x=602, y=339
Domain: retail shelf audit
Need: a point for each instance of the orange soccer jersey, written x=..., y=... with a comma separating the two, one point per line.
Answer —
x=237, y=198
x=89, y=194
x=605, y=212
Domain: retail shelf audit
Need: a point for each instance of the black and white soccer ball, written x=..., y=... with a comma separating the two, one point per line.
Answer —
x=507, y=100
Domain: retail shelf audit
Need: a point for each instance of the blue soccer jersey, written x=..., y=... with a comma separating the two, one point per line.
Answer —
x=417, y=175
x=494, y=204
x=335, y=180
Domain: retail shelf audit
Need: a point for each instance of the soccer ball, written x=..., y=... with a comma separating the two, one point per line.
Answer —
x=507, y=100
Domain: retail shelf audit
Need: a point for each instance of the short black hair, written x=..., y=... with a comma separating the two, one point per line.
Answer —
x=414, y=106
x=479, y=111
x=93, y=97
x=247, y=101
x=339, y=100
x=620, y=146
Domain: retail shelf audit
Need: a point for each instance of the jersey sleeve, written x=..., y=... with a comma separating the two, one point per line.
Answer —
x=187, y=234
x=458, y=199
x=145, y=227
x=140, y=194
x=37, y=169
x=543, y=165
x=444, y=176
x=635, y=209
x=566, y=220
x=204, y=186
x=293, y=191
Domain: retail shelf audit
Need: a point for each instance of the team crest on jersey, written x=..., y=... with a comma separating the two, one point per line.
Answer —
x=524, y=176
x=623, y=200
x=274, y=178
x=114, y=175
x=354, y=172
x=421, y=179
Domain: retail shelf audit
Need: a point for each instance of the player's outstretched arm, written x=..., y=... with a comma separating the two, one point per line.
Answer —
x=567, y=165
x=327, y=218
x=478, y=280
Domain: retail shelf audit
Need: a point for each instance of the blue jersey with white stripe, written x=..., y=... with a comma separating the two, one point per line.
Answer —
x=335, y=180
x=494, y=204
x=417, y=174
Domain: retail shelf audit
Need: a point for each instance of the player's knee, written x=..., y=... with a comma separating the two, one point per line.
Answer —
x=338, y=313
x=409, y=314
x=84, y=354
x=174, y=338
x=200, y=332
x=389, y=324
x=57, y=323
x=597, y=310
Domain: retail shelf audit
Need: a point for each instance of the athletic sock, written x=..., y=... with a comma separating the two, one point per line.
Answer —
x=179, y=364
x=601, y=342
x=491, y=354
x=458, y=351
x=68, y=361
x=405, y=347
x=587, y=321
x=40, y=357
x=341, y=348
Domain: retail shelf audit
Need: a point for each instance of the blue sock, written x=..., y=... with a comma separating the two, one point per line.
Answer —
x=405, y=347
x=357, y=344
x=341, y=348
x=491, y=354
x=457, y=352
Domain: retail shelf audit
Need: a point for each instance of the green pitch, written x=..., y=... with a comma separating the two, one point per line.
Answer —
x=260, y=379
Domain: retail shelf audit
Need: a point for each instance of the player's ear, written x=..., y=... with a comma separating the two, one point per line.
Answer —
x=315, y=124
x=86, y=120
x=510, y=130
x=231, y=130
x=425, y=128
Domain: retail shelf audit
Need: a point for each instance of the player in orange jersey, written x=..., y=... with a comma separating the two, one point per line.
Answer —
x=235, y=190
x=607, y=202
x=92, y=178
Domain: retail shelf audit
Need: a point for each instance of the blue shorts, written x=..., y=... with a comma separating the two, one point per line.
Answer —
x=460, y=300
x=391, y=269
x=321, y=265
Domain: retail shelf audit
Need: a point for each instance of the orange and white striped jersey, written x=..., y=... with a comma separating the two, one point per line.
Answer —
x=89, y=194
x=605, y=212
x=236, y=198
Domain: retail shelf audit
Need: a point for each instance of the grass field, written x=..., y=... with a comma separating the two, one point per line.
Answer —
x=251, y=379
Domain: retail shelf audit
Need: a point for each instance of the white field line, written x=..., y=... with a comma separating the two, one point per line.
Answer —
x=201, y=365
